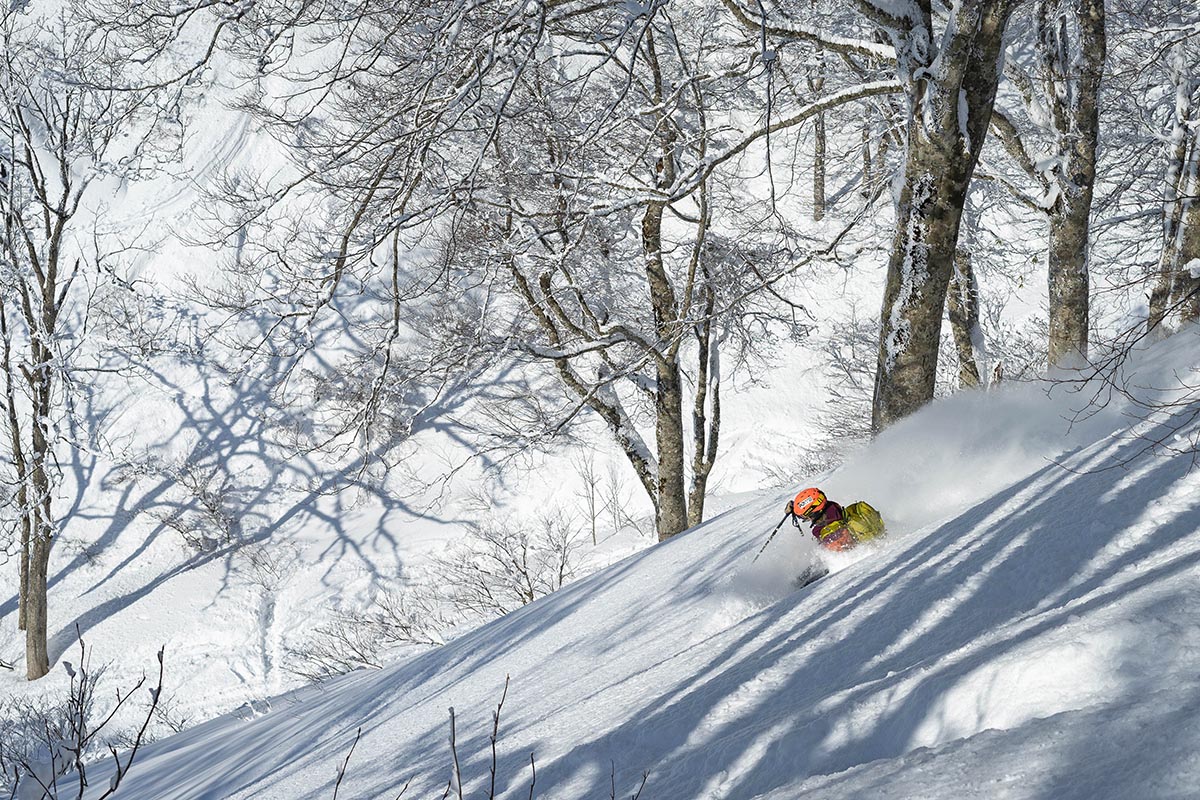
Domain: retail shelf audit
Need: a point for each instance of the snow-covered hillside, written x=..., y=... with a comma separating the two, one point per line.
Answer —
x=1029, y=629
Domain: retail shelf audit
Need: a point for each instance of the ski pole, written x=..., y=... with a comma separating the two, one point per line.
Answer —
x=772, y=536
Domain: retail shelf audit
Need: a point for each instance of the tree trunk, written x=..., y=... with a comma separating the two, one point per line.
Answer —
x=668, y=395
x=23, y=578
x=962, y=306
x=705, y=429
x=1185, y=290
x=1160, y=294
x=820, y=144
x=1182, y=143
x=918, y=274
x=1077, y=121
x=943, y=149
x=668, y=431
x=816, y=83
x=1068, y=281
x=867, y=172
x=671, y=506
x=39, y=509
x=37, y=659
x=17, y=454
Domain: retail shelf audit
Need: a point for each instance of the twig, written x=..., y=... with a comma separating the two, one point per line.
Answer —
x=71, y=738
x=342, y=769
x=456, y=778
x=495, y=736
x=612, y=794
x=155, y=694
x=645, y=777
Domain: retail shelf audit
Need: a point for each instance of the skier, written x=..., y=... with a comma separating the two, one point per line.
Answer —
x=837, y=528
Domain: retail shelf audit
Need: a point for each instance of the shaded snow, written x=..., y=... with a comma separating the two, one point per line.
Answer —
x=1027, y=631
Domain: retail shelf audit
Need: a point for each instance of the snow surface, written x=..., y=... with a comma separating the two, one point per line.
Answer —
x=1029, y=629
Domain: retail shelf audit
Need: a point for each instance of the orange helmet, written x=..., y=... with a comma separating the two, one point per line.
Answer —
x=809, y=502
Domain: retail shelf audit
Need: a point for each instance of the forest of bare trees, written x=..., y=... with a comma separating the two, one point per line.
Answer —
x=616, y=205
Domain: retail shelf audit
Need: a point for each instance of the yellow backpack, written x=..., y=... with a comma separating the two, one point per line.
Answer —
x=864, y=521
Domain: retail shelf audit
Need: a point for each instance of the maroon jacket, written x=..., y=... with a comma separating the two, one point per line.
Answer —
x=832, y=513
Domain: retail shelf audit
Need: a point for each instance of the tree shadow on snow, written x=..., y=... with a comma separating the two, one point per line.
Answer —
x=226, y=433
x=851, y=682
x=867, y=664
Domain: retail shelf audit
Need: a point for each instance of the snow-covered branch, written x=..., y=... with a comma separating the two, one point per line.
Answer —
x=792, y=29
x=690, y=180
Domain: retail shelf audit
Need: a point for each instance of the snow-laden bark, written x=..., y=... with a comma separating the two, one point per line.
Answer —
x=1185, y=293
x=951, y=89
x=816, y=84
x=671, y=505
x=1181, y=215
x=962, y=307
x=706, y=408
x=1183, y=251
x=1072, y=48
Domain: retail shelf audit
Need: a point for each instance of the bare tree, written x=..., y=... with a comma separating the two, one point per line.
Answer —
x=1177, y=286
x=504, y=565
x=517, y=136
x=576, y=273
x=585, y=469
x=950, y=81
x=1061, y=94
x=816, y=84
x=495, y=569
x=63, y=127
x=46, y=753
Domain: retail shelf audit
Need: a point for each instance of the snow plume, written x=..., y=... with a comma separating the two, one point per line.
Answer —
x=913, y=472
x=773, y=575
x=930, y=467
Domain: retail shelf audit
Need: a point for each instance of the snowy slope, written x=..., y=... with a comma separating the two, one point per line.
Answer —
x=1030, y=629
